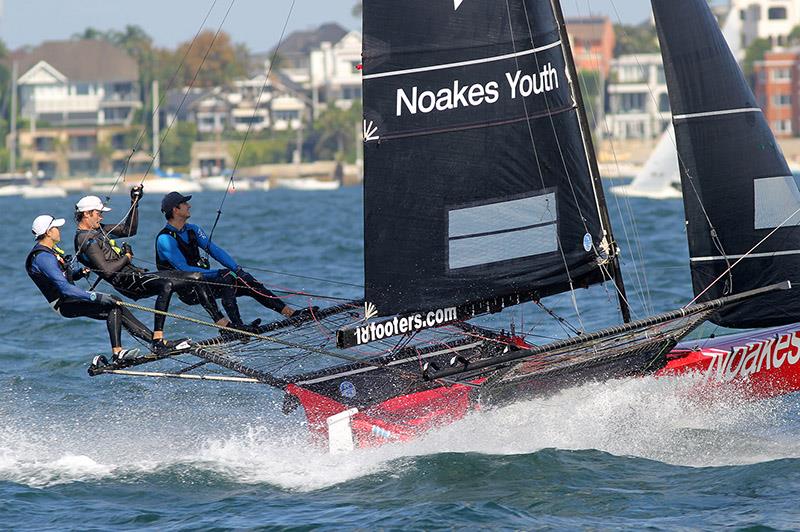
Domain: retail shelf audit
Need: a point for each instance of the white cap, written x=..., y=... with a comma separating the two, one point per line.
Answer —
x=91, y=203
x=44, y=223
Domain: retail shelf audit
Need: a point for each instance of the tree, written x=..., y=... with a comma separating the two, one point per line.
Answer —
x=215, y=62
x=755, y=52
x=638, y=39
x=794, y=35
x=336, y=132
x=357, y=9
x=176, y=147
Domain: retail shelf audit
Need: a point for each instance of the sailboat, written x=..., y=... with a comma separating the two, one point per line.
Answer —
x=481, y=192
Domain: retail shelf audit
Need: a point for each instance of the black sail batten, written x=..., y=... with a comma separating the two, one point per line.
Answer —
x=737, y=187
x=461, y=203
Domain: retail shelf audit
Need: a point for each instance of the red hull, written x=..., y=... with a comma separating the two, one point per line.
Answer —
x=761, y=364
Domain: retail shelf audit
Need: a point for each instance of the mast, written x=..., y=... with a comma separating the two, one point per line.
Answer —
x=597, y=184
x=12, y=165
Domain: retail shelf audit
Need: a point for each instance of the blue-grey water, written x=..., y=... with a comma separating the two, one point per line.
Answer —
x=115, y=453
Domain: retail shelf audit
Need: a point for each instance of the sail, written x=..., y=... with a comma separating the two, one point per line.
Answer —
x=737, y=187
x=477, y=182
x=659, y=178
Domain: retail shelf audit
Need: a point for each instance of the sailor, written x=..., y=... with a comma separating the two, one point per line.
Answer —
x=113, y=262
x=178, y=247
x=53, y=274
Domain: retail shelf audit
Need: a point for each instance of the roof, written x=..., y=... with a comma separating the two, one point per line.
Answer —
x=587, y=28
x=303, y=42
x=85, y=60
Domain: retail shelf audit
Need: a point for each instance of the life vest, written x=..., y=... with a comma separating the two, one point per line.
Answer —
x=108, y=246
x=45, y=285
x=190, y=250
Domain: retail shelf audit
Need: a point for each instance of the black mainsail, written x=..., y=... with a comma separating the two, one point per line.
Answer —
x=742, y=203
x=478, y=182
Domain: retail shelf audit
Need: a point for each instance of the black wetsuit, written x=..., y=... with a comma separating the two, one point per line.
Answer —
x=97, y=250
x=57, y=284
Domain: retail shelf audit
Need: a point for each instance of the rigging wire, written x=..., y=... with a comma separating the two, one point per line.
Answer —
x=143, y=132
x=682, y=164
x=635, y=242
x=250, y=122
x=533, y=142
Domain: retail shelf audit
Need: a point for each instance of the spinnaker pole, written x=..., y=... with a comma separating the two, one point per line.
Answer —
x=597, y=184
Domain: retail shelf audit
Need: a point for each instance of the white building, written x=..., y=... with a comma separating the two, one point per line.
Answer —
x=767, y=19
x=78, y=83
x=335, y=76
x=638, y=103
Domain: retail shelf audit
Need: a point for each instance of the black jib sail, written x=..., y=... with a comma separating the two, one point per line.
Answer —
x=742, y=203
x=477, y=176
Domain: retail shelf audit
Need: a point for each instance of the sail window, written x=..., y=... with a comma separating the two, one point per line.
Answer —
x=777, y=199
x=501, y=231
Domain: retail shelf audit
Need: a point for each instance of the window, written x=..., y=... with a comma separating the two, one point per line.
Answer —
x=777, y=13
x=782, y=126
x=782, y=100
x=287, y=115
x=781, y=74
x=82, y=143
x=45, y=144
x=82, y=89
x=663, y=103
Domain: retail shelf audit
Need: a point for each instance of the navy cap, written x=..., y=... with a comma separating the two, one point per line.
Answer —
x=172, y=200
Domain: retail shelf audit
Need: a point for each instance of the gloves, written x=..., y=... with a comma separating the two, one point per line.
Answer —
x=137, y=192
x=103, y=299
x=127, y=249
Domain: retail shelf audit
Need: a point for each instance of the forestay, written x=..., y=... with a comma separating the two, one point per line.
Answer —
x=742, y=203
x=477, y=181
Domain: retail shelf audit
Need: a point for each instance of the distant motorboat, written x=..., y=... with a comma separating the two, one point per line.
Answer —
x=43, y=191
x=12, y=190
x=221, y=182
x=307, y=183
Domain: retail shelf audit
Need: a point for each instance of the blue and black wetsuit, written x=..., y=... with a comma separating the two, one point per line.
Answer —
x=180, y=250
x=55, y=278
x=97, y=250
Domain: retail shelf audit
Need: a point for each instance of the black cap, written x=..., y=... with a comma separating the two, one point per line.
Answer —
x=172, y=200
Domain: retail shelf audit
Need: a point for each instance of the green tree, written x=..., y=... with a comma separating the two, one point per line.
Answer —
x=176, y=147
x=635, y=39
x=755, y=52
x=266, y=151
x=336, y=132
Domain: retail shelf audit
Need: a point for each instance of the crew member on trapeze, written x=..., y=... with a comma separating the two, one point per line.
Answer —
x=95, y=248
x=178, y=247
x=53, y=273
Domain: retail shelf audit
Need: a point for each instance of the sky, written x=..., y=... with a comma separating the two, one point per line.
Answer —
x=257, y=23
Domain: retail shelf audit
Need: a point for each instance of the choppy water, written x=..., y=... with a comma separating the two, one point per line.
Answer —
x=113, y=453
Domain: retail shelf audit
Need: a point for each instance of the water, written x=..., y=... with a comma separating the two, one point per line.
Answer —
x=103, y=453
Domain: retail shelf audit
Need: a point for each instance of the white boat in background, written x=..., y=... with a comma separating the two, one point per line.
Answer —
x=43, y=191
x=164, y=185
x=660, y=177
x=307, y=183
x=12, y=190
x=220, y=183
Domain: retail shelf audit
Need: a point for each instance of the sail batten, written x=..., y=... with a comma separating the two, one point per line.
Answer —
x=739, y=195
x=477, y=181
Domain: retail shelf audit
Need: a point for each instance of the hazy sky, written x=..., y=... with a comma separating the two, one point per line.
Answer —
x=257, y=23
